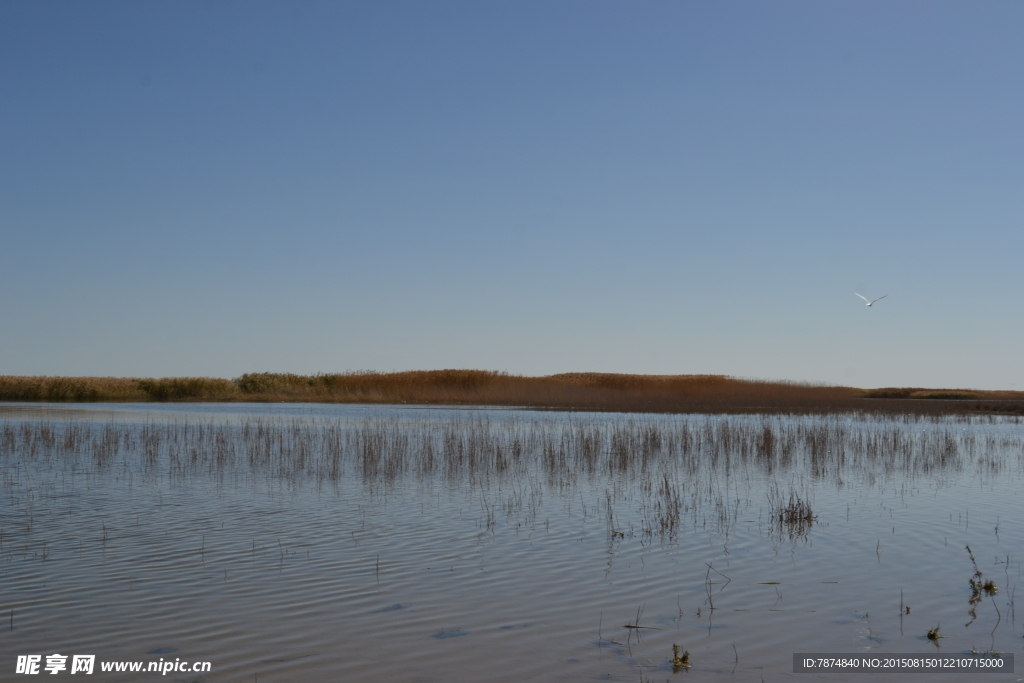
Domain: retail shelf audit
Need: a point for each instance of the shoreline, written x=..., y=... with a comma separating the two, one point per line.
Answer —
x=597, y=392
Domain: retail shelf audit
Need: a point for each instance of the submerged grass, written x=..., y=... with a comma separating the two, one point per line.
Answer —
x=579, y=391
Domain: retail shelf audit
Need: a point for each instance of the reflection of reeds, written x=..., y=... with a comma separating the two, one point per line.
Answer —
x=584, y=391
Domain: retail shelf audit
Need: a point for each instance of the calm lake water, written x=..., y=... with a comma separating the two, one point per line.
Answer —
x=320, y=543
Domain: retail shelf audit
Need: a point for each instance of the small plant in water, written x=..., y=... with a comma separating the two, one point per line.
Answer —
x=933, y=634
x=680, y=660
x=793, y=517
x=797, y=511
x=980, y=586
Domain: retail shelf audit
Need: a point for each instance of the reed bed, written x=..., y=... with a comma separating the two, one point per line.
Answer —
x=670, y=469
x=579, y=391
x=389, y=448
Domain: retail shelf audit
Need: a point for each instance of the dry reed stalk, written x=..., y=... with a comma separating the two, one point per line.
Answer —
x=577, y=391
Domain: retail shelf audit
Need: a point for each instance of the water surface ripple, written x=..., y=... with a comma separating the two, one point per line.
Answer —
x=295, y=542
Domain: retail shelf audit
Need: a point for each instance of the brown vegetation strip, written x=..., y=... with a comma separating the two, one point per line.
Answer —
x=579, y=391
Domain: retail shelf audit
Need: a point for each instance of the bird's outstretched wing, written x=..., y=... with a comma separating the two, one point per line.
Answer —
x=865, y=298
x=880, y=298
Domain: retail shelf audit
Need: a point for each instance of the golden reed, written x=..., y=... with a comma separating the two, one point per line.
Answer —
x=578, y=391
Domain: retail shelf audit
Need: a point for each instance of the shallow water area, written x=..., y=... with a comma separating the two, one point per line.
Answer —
x=288, y=542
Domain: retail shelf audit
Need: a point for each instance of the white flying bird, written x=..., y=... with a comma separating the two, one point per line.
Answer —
x=871, y=302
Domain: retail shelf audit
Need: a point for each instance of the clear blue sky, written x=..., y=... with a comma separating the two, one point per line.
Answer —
x=215, y=188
